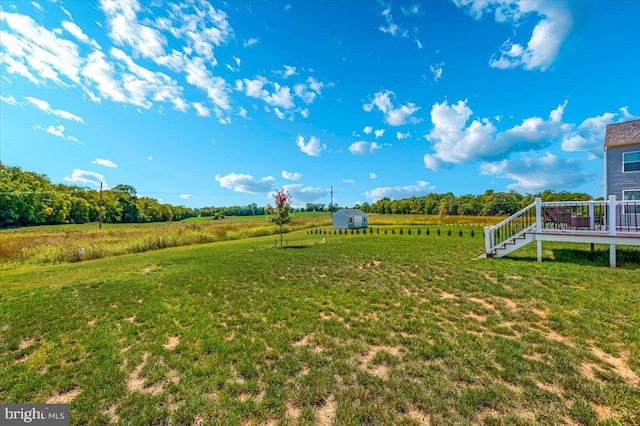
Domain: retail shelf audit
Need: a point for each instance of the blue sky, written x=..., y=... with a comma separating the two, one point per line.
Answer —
x=220, y=103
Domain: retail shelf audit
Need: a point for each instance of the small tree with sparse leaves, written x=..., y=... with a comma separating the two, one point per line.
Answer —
x=281, y=213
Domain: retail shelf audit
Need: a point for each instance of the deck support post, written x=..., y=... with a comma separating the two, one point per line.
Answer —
x=612, y=255
x=538, y=215
x=611, y=215
x=592, y=216
x=487, y=240
x=539, y=243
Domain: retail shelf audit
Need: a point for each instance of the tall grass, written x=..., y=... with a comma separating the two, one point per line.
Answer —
x=73, y=243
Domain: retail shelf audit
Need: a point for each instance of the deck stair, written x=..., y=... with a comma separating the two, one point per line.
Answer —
x=609, y=222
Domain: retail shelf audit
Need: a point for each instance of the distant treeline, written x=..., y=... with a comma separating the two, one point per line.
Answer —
x=28, y=198
x=488, y=204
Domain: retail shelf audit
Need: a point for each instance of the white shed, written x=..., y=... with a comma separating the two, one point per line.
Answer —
x=350, y=219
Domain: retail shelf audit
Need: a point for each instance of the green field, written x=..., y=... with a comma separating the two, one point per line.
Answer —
x=376, y=328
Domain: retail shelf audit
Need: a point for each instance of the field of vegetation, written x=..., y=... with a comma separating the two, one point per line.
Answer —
x=380, y=327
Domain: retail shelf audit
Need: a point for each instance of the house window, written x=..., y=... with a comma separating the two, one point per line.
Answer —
x=350, y=219
x=631, y=162
x=632, y=195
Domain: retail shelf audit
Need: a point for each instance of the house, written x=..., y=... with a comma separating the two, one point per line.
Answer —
x=622, y=160
x=350, y=219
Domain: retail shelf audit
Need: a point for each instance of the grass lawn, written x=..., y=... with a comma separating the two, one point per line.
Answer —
x=335, y=329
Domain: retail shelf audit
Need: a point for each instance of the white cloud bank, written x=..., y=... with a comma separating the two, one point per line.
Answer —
x=246, y=183
x=555, y=23
x=301, y=195
x=312, y=148
x=80, y=176
x=363, y=148
x=291, y=175
x=393, y=115
x=105, y=163
x=398, y=192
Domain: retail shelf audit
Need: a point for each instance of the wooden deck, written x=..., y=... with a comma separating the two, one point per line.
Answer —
x=603, y=222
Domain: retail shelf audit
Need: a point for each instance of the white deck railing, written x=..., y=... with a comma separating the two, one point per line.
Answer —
x=566, y=217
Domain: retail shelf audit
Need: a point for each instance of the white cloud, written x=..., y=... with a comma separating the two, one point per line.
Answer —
x=44, y=106
x=419, y=44
x=150, y=158
x=77, y=32
x=537, y=174
x=373, y=176
x=312, y=148
x=363, y=148
x=288, y=71
x=58, y=131
x=437, y=71
x=413, y=10
x=280, y=97
x=547, y=37
x=251, y=42
x=102, y=73
x=201, y=110
x=392, y=28
x=80, y=176
x=398, y=192
x=216, y=88
x=246, y=183
x=203, y=27
x=455, y=142
x=9, y=99
x=125, y=29
x=379, y=133
x=31, y=49
x=186, y=196
x=349, y=181
x=242, y=113
x=367, y=130
x=304, y=113
x=301, y=195
x=105, y=163
x=291, y=175
x=589, y=136
x=402, y=136
x=394, y=116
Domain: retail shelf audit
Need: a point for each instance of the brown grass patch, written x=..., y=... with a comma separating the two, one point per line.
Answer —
x=110, y=412
x=418, y=416
x=588, y=369
x=510, y=303
x=172, y=343
x=26, y=343
x=619, y=366
x=477, y=317
x=382, y=370
x=444, y=295
x=326, y=413
x=552, y=335
x=325, y=317
x=551, y=387
x=135, y=383
x=603, y=412
x=91, y=323
x=64, y=397
x=491, y=278
x=293, y=412
x=482, y=303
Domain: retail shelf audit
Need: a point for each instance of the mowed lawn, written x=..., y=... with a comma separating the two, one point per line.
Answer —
x=335, y=329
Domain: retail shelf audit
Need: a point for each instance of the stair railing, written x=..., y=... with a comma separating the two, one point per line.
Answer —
x=512, y=227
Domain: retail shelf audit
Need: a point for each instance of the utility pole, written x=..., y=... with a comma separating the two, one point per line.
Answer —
x=100, y=223
x=331, y=204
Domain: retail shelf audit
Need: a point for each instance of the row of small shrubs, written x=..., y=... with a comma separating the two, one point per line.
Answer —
x=384, y=231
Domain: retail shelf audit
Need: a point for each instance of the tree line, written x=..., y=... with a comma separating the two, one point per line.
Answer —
x=28, y=198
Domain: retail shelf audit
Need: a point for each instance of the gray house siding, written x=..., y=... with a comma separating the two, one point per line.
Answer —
x=617, y=181
x=350, y=219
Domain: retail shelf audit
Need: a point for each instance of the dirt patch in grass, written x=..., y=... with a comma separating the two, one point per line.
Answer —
x=63, y=397
x=491, y=278
x=91, y=323
x=477, y=317
x=136, y=383
x=444, y=295
x=619, y=366
x=111, y=414
x=510, y=303
x=26, y=343
x=603, y=412
x=378, y=370
x=553, y=335
x=293, y=412
x=172, y=343
x=325, y=316
x=418, y=416
x=551, y=387
x=482, y=303
x=326, y=413
x=588, y=370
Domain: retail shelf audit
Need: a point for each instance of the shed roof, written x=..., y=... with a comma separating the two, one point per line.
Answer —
x=619, y=134
x=353, y=212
